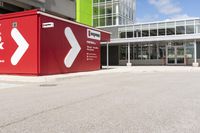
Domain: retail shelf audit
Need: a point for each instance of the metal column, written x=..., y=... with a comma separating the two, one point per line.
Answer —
x=195, y=64
x=107, y=55
x=129, y=55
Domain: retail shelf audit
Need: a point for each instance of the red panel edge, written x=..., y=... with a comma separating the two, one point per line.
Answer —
x=38, y=45
x=18, y=14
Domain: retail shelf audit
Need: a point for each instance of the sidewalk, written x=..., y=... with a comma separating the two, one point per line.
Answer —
x=105, y=70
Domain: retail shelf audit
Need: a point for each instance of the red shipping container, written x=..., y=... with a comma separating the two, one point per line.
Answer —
x=37, y=43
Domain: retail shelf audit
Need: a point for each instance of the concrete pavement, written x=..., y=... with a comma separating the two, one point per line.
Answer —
x=114, y=101
x=105, y=70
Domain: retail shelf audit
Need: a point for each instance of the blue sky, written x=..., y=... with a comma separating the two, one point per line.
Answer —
x=155, y=10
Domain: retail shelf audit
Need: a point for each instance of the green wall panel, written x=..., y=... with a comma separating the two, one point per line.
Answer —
x=84, y=12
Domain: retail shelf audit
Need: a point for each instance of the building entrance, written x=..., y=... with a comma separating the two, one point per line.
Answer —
x=175, y=55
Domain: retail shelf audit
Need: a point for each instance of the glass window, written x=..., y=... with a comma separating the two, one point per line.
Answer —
x=114, y=8
x=170, y=24
x=180, y=23
x=145, y=33
x=198, y=50
x=161, y=29
x=109, y=10
x=145, y=27
x=171, y=28
x=161, y=51
x=123, y=52
x=180, y=30
x=122, y=35
x=145, y=30
x=102, y=0
x=190, y=22
x=109, y=21
x=161, y=26
x=161, y=32
x=114, y=20
x=137, y=31
x=95, y=1
x=153, y=26
x=102, y=10
x=153, y=30
x=180, y=27
x=170, y=31
x=137, y=52
x=129, y=31
x=153, y=51
x=145, y=52
x=95, y=11
x=120, y=20
x=102, y=21
x=189, y=50
x=95, y=22
x=197, y=29
x=131, y=52
x=190, y=29
x=130, y=34
x=122, y=32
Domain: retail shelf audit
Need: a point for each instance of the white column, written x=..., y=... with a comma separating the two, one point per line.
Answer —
x=117, y=13
x=129, y=55
x=195, y=52
x=107, y=55
x=195, y=64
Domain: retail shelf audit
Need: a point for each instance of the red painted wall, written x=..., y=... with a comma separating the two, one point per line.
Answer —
x=55, y=46
x=27, y=26
x=33, y=44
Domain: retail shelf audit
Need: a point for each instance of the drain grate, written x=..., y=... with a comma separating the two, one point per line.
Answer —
x=48, y=85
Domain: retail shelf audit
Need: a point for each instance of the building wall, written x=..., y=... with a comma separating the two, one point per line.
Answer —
x=64, y=8
x=84, y=12
x=113, y=12
x=113, y=30
x=154, y=53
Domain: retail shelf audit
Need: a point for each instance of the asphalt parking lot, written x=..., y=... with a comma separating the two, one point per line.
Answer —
x=129, y=100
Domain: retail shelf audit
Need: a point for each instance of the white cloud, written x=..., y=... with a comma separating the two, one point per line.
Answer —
x=148, y=18
x=180, y=16
x=166, y=7
x=170, y=8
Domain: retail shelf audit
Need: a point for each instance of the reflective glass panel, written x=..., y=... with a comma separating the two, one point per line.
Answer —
x=123, y=52
x=190, y=29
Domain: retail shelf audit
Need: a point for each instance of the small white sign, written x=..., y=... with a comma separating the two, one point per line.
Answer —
x=92, y=34
x=48, y=25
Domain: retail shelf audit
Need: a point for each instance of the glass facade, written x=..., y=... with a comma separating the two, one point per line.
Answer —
x=174, y=42
x=153, y=51
x=167, y=28
x=113, y=12
x=163, y=52
x=141, y=51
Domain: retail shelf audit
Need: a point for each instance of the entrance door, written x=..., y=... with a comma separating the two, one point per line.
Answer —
x=180, y=56
x=171, y=55
x=175, y=55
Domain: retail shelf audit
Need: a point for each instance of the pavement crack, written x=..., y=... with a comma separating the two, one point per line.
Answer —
x=53, y=109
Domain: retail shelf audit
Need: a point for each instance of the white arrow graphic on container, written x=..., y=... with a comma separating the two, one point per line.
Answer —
x=74, y=51
x=22, y=46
